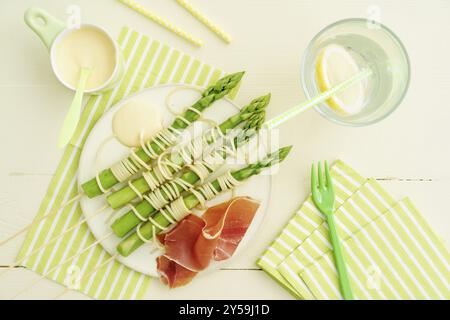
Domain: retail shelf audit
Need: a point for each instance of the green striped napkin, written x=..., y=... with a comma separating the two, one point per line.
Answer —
x=391, y=251
x=305, y=221
x=367, y=203
x=148, y=63
x=396, y=256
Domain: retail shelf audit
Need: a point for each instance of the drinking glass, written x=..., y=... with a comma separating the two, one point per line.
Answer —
x=374, y=46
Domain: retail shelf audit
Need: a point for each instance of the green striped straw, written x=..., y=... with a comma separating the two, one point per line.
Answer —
x=292, y=112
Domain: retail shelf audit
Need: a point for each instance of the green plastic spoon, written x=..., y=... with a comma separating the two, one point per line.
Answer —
x=73, y=116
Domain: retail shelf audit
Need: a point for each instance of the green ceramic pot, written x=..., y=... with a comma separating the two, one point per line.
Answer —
x=52, y=31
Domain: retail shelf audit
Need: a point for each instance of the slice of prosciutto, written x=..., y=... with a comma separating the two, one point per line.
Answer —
x=196, y=241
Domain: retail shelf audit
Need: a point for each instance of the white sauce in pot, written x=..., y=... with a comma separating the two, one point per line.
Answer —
x=86, y=47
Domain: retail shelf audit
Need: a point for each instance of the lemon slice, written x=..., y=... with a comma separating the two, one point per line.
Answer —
x=335, y=65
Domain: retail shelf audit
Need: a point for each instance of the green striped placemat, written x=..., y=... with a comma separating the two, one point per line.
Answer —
x=148, y=63
x=304, y=222
x=396, y=256
x=367, y=203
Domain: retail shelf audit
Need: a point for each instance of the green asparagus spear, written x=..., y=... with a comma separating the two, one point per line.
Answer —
x=252, y=113
x=132, y=242
x=129, y=220
x=215, y=92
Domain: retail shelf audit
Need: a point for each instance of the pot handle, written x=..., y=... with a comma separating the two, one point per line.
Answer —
x=43, y=24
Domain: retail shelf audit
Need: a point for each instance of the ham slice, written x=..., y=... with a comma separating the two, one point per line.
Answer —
x=172, y=274
x=196, y=241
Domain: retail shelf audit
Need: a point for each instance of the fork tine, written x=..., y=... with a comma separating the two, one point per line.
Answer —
x=322, y=184
x=328, y=178
x=313, y=178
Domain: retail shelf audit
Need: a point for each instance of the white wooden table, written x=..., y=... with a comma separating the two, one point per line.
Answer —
x=409, y=151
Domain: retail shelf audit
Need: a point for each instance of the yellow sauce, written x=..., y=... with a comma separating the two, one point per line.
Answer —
x=134, y=119
x=86, y=47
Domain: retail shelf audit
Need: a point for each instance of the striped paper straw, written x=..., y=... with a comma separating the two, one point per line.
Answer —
x=290, y=113
x=162, y=22
x=203, y=19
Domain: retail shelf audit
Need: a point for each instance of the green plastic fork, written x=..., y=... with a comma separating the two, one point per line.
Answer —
x=323, y=196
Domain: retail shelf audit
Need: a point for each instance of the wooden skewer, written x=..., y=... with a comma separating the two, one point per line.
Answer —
x=88, y=274
x=45, y=216
x=78, y=253
x=8, y=225
x=18, y=263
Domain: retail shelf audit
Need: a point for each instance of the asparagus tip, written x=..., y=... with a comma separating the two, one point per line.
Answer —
x=284, y=152
x=261, y=102
x=237, y=76
x=255, y=106
x=276, y=157
x=255, y=121
x=268, y=96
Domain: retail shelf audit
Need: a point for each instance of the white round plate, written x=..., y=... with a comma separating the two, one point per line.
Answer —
x=144, y=259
